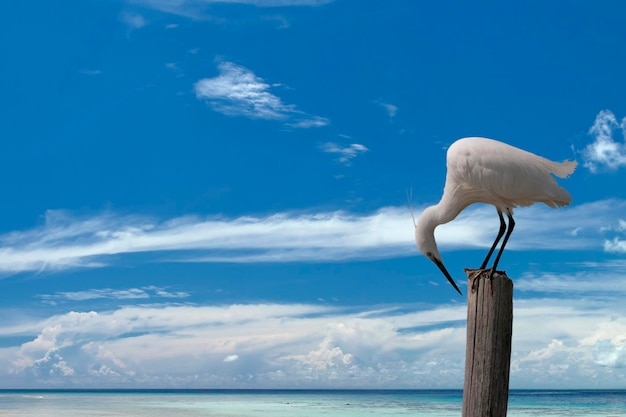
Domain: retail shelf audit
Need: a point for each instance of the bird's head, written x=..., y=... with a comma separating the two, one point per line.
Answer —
x=425, y=240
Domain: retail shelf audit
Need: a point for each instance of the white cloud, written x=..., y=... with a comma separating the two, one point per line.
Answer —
x=198, y=9
x=327, y=361
x=133, y=20
x=69, y=242
x=85, y=71
x=617, y=244
x=129, y=294
x=588, y=282
x=108, y=293
x=556, y=342
x=237, y=91
x=565, y=340
x=608, y=354
x=275, y=3
x=347, y=153
x=66, y=243
x=477, y=227
x=605, y=151
x=391, y=109
x=285, y=345
x=314, y=121
x=52, y=364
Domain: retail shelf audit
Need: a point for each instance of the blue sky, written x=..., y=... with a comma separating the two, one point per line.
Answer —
x=213, y=194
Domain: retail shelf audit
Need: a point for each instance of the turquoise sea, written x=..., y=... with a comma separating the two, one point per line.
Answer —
x=296, y=403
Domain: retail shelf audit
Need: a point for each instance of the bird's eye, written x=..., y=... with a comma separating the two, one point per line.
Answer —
x=429, y=254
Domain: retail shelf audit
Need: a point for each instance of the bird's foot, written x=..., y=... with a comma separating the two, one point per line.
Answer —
x=475, y=274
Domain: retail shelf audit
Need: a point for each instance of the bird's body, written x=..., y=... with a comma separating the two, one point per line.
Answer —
x=484, y=170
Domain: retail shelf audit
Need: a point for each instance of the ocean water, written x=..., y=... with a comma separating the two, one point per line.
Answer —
x=271, y=403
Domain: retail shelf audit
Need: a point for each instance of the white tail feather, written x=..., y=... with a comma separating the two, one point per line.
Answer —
x=564, y=169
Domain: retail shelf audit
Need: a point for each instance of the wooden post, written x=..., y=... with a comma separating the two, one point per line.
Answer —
x=488, y=350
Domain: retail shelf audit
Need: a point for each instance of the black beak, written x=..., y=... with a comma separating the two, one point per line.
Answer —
x=447, y=274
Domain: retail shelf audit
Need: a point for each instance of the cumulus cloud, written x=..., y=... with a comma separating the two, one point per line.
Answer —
x=346, y=153
x=605, y=152
x=52, y=364
x=567, y=340
x=288, y=345
x=237, y=91
x=328, y=362
x=608, y=354
x=64, y=241
x=608, y=344
x=616, y=244
x=558, y=342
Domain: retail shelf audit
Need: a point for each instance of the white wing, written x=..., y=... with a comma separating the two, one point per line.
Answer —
x=488, y=171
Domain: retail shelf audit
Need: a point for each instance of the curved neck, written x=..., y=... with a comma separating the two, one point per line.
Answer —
x=444, y=211
x=425, y=231
x=453, y=201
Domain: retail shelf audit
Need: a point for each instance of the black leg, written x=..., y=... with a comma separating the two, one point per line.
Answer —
x=506, y=239
x=495, y=243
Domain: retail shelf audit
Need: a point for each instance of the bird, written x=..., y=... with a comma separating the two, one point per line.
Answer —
x=482, y=170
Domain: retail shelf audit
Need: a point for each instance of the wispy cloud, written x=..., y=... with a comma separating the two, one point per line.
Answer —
x=108, y=293
x=237, y=91
x=391, y=109
x=86, y=71
x=175, y=68
x=198, y=9
x=133, y=20
x=313, y=121
x=274, y=3
x=70, y=242
x=591, y=282
x=63, y=242
x=346, y=153
x=605, y=151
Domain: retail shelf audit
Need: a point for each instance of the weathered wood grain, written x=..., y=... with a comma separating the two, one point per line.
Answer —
x=488, y=350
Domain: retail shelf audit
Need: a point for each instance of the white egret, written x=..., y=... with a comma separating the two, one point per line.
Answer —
x=484, y=170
